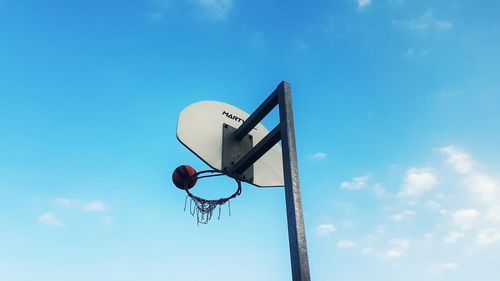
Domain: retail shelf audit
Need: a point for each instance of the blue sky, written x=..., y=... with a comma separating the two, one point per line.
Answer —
x=396, y=111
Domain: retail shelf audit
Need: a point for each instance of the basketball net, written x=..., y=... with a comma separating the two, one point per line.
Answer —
x=203, y=208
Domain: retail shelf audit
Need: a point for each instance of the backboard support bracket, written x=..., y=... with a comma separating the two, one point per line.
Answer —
x=232, y=152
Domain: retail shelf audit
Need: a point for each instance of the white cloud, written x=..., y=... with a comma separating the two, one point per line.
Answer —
x=90, y=206
x=426, y=22
x=326, y=229
x=370, y=238
x=417, y=52
x=318, y=156
x=380, y=230
x=348, y=224
x=443, y=25
x=412, y=203
x=453, y=237
x=406, y=214
x=487, y=236
x=368, y=251
x=440, y=196
x=440, y=268
x=344, y=244
x=94, y=206
x=65, y=202
x=433, y=205
x=400, y=243
x=388, y=208
x=394, y=253
x=49, y=219
x=457, y=159
x=493, y=215
x=355, y=184
x=459, y=212
x=159, y=10
x=417, y=182
x=398, y=247
x=427, y=238
x=464, y=218
x=216, y=9
x=364, y=3
x=379, y=190
x=483, y=187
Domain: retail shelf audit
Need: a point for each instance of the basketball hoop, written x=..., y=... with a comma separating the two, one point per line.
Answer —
x=204, y=208
x=236, y=144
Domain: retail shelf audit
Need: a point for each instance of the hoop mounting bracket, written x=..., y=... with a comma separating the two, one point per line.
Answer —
x=233, y=150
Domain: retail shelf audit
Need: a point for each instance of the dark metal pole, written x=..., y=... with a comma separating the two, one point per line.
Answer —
x=285, y=132
x=296, y=230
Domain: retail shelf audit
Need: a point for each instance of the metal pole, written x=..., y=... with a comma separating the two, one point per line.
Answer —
x=296, y=230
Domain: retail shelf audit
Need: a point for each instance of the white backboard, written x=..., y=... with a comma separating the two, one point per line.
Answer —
x=199, y=128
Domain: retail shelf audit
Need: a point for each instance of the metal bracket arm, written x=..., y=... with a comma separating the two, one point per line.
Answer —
x=257, y=151
x=262, y=111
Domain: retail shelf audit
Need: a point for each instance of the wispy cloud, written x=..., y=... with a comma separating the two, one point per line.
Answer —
x=417, y=52
x=463, y=214
x=95, y=206
x=90, y=206
x=69, y=204
x=428, y=238
x=488, y=236
x=66, y=202
x=426, y=22
x=346, y=243
x=50, y=220
x=368, y=251
x=440, y=268
x=457, y=159
x=379, y=190
x=159, y=10
x=464, y=218
x=356, y=183
x=364, y=3
x=398, y=246
x=318, y=156
x=403, y=216
x=482, y=186
x=433, y=205
x=418, y=182
x=215, y=9
x=326, y=229
x=453, y=237
x=493, y=215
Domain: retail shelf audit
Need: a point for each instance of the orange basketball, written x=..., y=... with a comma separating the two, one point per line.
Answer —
x=183, y=177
